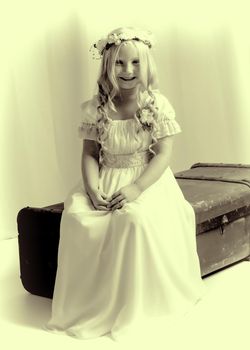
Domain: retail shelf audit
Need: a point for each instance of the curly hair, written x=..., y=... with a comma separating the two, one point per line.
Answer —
x=108, y=89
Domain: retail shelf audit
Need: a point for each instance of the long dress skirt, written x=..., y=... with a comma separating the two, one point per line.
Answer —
x=120, y=271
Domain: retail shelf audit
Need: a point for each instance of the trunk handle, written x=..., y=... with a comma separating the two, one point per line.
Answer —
x=207, y=178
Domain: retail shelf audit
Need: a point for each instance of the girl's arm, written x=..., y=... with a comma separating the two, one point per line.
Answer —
x=90, y=174
x=157, y=164
x=90, y=165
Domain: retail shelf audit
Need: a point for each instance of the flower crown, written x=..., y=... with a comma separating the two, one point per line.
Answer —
x=116, y=39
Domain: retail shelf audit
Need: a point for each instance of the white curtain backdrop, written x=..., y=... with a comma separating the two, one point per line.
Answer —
x=202, y=54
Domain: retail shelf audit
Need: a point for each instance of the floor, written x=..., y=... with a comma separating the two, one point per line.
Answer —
x=221, y=320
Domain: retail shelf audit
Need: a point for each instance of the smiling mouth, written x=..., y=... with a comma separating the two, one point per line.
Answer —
x=130, y=79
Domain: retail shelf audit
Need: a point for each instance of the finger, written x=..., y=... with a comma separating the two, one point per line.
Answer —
x=116, y=200
x=114, y=195
x=103, y=194
x=113, y=203
x=102, y=207
x=102, y=203
x=98, y=203
x=101, y=200
x=124, y=201
x=117, y=206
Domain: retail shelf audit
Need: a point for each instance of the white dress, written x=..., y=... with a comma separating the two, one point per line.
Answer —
x=120, y=270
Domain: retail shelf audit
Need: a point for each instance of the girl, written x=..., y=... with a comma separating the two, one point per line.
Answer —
x=127, y=252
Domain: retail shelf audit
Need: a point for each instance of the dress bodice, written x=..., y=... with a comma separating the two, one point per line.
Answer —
x=124, y=138
x=127, y=136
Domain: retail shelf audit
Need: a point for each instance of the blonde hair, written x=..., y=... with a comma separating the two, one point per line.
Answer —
x=108, y=87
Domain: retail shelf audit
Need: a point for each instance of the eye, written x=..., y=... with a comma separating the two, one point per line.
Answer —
x=136, y=62
x=118, y=62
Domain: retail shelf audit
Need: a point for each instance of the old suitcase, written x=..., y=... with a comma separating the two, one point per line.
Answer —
x=38, y=238
x=219, y=194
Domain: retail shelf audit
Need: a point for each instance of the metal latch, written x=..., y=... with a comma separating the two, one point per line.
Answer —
x=224, y=221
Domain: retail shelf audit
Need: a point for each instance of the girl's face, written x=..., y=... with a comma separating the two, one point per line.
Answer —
x=127, y=67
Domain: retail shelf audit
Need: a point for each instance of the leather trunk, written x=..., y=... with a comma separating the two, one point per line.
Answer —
x=219, y=194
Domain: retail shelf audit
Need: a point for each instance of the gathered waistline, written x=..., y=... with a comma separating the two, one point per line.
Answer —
x=126, y=160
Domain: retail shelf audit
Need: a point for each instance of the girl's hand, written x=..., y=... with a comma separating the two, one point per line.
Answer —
x=98, y=199
x=125, y=194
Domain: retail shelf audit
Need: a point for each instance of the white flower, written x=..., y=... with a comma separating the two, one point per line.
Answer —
x=146, y=116
x=112, y=38
x=150, y=118
x=126, y=36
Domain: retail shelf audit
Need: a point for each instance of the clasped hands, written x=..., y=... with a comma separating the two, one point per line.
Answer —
x=125, y=194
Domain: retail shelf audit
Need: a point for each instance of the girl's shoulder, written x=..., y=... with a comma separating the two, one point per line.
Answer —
x=166, y=125
x=161, y=101
x=164, y=107
x=89, y=110
x=87, y=125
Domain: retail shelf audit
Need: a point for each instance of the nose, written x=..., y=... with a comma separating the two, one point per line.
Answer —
x=128, y=68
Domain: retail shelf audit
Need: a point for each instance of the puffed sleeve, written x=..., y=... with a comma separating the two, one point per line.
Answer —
x=166, y=125
x=87, y=126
